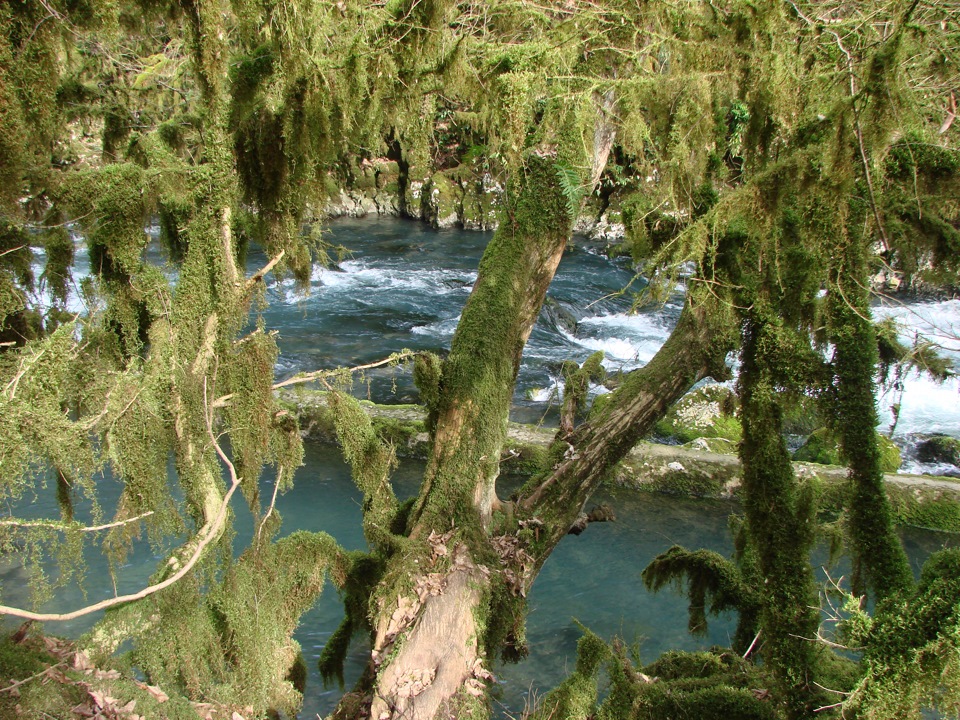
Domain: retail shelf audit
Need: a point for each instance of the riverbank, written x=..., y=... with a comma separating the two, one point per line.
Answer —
x=916, y=500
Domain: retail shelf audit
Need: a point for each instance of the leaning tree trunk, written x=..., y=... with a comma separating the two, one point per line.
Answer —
x=427, y=652
x=696, y=349
x=429, y=610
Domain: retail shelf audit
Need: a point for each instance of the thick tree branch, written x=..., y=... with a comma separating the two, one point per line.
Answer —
x=695, y=349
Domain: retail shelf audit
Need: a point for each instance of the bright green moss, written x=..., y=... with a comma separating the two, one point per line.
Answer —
x=576, y=697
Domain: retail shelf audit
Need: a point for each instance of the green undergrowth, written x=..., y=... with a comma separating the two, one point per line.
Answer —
x=708, y=685
x=714, y=684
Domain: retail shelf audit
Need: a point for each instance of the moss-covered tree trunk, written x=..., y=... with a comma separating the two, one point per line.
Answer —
x=781, y=523
x=428, y=614
x=879, y=560
x=696, y=349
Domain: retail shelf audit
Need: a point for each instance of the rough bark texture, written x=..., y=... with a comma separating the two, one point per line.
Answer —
x=440, y=653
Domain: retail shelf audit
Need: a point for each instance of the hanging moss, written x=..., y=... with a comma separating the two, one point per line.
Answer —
x=879, y=560
x=427, y=372
x=226, y=647
x=709, y=577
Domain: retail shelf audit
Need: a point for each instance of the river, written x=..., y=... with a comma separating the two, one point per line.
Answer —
x=403, y=285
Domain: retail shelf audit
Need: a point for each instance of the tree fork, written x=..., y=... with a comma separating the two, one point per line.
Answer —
x=430, y=669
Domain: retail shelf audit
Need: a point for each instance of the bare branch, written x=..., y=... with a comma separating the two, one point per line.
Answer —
x=302, y=378
x=67, y=527
x=752, y=644
x=259, y=275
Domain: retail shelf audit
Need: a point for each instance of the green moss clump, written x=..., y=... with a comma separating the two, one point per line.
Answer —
x=716, y=685
x=912, y=647
x=401, y=434
x=822, y=447
x=525, y=458
x=939, y=449
x=688, y=483
x=576, y=697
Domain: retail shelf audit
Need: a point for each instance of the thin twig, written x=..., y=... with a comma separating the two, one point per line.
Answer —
x=32, y=677
x=68, y=526
x=301, y=378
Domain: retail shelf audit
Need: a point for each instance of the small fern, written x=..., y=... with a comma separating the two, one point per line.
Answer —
x=573, y=190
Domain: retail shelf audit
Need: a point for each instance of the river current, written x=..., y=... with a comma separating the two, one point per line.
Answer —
x=403, y=285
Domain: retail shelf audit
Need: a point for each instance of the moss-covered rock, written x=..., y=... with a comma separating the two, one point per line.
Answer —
x=442, y=201
x=924, y=506
x=822, y=447
x=939, y=449
x=719, y=445
x=481, y=198
x=708, y=412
